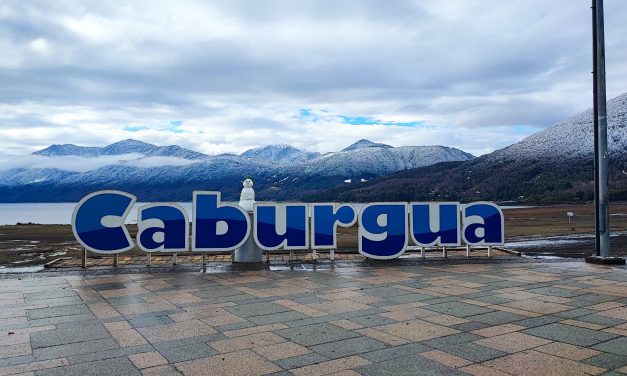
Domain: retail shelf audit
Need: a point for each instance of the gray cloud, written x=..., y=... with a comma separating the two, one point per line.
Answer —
x=237, y=72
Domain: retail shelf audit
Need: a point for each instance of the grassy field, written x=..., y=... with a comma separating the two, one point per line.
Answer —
x=34, y=244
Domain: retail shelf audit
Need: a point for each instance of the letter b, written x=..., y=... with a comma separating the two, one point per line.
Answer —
x=217, y=227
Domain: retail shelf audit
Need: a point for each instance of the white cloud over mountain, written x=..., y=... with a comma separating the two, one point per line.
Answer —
x=228, y=76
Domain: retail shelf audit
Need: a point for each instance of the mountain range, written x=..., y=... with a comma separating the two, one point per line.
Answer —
x=554, y=165
x=68, y=172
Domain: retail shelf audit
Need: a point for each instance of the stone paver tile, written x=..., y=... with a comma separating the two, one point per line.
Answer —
x=295, y=306
x=518, y=295
x=117, y=326
x=408, y=314
x=570, y=334
x=538, y=306
x=68, y=333
x=512, y=342
x=254, y=330
x=515, y=310
x=174, y=331
x=339, y=306
x=451, y=290
x=567, y=351
x=417, y=330
x=623, y=370
x=479, y=370
x=34, y=329
x=106, y=367
x=348, y=347
x=182, y=352
x=281, y=350
x=33, y=366
x=240, y=363
x=622, y=332
x=346, y=324
x=476, y=302
x=446, y=358
x=165, y=370
x=366, y=299
x=103, y=310
x=15, y=350
x=607, y=361
x=458, y=309
x=583, y=324
x=148, y=359
x=138, y=308
x=13, y=320
x=222, y=320
x=128, y=338
x=498, y=330
x=332, y=366
x=533, y=363
x=13, y=339
x=445, y=320
x=398, y=307
x=383, y=336
x=315, y=334
x=408, y=365
x=300, y=361
x=341, y=295
x=256, y=309
x=193, y=313
x=605, y=306
x=617, y=313
x=616, y=346
x=473, y=352
x=115, y=293
x=345, y=373
x=246, y=342
x=253, y=292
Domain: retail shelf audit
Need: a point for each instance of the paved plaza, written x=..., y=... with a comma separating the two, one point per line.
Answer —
x=478, y=319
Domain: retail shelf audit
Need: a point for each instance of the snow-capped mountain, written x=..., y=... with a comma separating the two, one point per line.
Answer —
x=120, y=148
x=363, y=143
x=63, y=172
x=554, y=165
x=574, y=137
x=379, y=159
x=279, y=153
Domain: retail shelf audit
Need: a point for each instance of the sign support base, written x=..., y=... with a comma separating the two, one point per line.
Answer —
x=605, y=260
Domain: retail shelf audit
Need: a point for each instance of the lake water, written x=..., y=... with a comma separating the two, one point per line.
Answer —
x=56, y=213
x=61, y=213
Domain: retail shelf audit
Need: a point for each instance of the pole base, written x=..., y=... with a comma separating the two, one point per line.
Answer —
x=605, y=260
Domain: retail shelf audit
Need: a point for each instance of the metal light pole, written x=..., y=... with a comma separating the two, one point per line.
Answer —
x=597, y=238
x=601, y=155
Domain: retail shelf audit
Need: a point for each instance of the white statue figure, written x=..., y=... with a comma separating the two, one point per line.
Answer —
x=247, y=197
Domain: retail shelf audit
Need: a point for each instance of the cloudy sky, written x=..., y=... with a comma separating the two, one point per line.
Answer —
x=224, y=76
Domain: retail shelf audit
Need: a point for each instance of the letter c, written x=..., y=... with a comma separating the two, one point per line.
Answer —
x=98, y=221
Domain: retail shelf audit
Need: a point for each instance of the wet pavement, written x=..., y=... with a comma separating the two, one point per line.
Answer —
x=409, y=318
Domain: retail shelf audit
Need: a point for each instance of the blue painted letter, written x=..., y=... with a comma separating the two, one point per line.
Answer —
x=217, y=227
x=483, y=224
x=281, y=226
x=324, y=221
x=162, y=227
x=435, y=223
x=98, y=221
x=383, y=230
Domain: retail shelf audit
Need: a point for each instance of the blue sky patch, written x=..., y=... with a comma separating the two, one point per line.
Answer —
x=363, y=120
x=172, y=126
